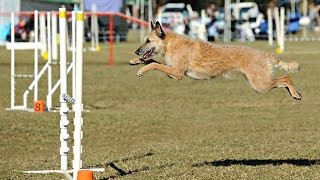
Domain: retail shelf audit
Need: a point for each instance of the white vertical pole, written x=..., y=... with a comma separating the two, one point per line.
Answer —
x=97, y=32
x=270, y=27
x=52, y=49
x=49, y=57
x=12, y=63
x=282, y=30
x=150, y=13
x=293, y=6
x=43, y=36
x=96, y=29
x=63, y=90
x=36, y=40
x=142, y=18
x=305, y=11
x=277, y=20
x=54, y=37
x=227, y=18
x=78, y=120
x=73, y=55
x=93, y=34
x=203, y=31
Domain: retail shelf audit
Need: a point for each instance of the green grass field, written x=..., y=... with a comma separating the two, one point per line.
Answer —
x=154, y=127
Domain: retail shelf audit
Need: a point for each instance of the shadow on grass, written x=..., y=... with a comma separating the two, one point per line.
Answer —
x=121, y=172
x=260, y=162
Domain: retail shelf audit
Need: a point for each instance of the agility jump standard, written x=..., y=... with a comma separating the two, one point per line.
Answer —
x=50, y=45
x=64, y=99
x=36, y=45
x=23, y=46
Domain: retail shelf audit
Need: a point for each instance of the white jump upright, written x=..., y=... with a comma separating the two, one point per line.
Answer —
x=12, y=106
x=270, y=27
x=43, y=35
x=49, y=31
x=65, y=98
x=94, y=29
x=23, y=46
x=54, y=45
x=36, y=57
x=282, y=31
x=70, y=66
x=280, y=28
x=37, y=75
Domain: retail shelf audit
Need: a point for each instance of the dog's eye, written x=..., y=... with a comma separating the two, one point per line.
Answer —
x=148, y=41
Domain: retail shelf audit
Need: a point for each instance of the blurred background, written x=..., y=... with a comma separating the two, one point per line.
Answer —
x=210, y=20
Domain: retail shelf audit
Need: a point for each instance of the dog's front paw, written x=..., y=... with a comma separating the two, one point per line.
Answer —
x=135, y=61
x=140, y=73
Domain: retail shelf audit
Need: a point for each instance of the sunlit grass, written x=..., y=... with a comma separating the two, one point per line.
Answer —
x=154, y=127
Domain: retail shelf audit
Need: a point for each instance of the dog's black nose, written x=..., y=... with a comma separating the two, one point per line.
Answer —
x=137, y=52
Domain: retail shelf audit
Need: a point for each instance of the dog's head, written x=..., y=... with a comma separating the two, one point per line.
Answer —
x=154, y=43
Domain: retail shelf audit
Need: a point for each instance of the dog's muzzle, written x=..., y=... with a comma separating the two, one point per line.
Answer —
x=138, y=52
x=149, y=54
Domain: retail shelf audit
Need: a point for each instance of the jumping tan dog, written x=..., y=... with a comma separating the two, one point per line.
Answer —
x=201, y=60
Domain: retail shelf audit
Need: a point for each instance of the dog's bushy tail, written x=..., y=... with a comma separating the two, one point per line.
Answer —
x=292, y=66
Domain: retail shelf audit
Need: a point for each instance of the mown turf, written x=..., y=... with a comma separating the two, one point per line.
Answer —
x=153, y=127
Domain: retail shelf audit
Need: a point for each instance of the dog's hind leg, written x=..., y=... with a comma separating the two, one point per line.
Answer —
x=176, y=73
x=287, y=83
x=261, y=82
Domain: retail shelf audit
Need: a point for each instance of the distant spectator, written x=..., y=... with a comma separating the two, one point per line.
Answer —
x=210, y=22
x=30, y=28
x=255, y=19
x=211, y=9
x=20, y=32
x=246, y=33
x=186, y=26
x=314, y=15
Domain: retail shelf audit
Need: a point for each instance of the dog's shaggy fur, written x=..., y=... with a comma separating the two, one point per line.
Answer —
x=202, y=60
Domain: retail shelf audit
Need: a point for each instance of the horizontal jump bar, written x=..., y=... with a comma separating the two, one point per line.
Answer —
x=24, y=45
x=23, y=75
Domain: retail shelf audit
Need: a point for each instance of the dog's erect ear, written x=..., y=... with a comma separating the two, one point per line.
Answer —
x=159, y=31
x=153, y=27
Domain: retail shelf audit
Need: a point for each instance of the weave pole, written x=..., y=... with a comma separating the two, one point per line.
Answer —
x=73, y=44
x=64, y=122
x=78, y=121
x=65, y=98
